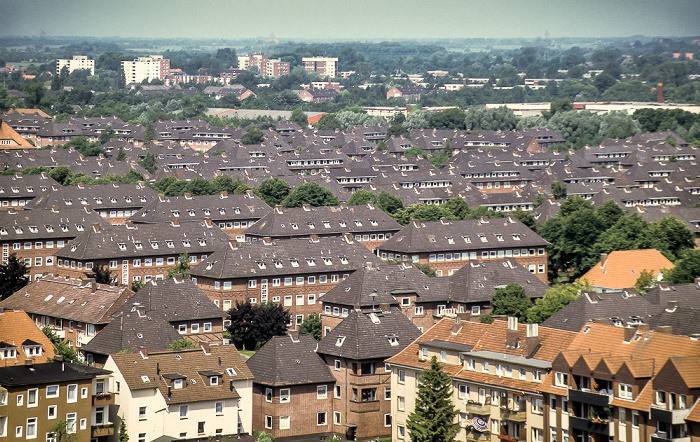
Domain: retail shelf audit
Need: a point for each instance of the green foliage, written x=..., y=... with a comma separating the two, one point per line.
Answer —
x=254, y=324
x=84, y=146
x=526, y=218
x=137, y=285
x=106, y=135
x=149, y=163
x=149, y=135
x=328, y=122
x=299, y=117
x=389, y=203
x=263, y=437
x=578, y=128
x=101, y=274
x=193, y=106
x=253, y=136
x=61, y=346
x=311, y=326
x=361, y=197
x=558, y=190
x=310, y=193
x=447, y=119
x=458, y=207
x=123, y=434
x=182, y=343
x=273, y=191
x=645, y=282
x=686, y=270
x=181, y=268
x=60, y=434
x=61, y=174
x=433, y=417
x=425, y=268
x=486, y=319
x=422, y=212
x=121, y=155
x=415, y=151
x=13, y=276
x=511, y=301
x=555, y=299
x=480, y=118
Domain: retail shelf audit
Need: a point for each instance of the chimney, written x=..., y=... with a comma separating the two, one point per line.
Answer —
x=250, y=193
x=129, y=224
x=348, y=237
x=233, y=243
x=512, y=332
x=142, y=184
x=343, y=205
x=54, y=209
x=267, y=240
x=642, y=327
x=444, y=221
x=96, y=227
x=671, y=306
x=660, y=92
x=278, y=209
x=368, y=265
x=144, y=352
x=665, y=329
x=629, y=333
x=532, y=339
x=306, y=207
x=603, y=259
x=81, y=186
x=188, y=196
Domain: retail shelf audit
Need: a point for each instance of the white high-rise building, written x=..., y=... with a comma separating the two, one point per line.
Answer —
x=75, y=63
x=324, y=66
x=146, y=68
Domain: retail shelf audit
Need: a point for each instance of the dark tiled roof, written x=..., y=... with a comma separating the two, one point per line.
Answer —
x=43, y=224
x=48, y=372
x=369, y=335
x=285, y=361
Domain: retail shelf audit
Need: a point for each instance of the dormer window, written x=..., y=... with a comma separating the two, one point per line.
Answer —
x=483, y=238
x=342, y=223
x=231, y=372
x=343, y=260
x=170, y=244
x=128, y=199
x=176, y=213
x=83, y=200
x=138, y=245
x=207, y=212
x=327, y=261
x=18, y=229
x=64, y=228
x=295, y=226
x=261, y=264
x=177, y=384
x=122, y=246
x=154, y=244
x=358, y=223
x=499, y=237
x=278, y=264
x=145, y=378
x=373, y=222
x=113, y=200
x=311, y=261
x=80, y=227
x=311, y=225
x=326, y=224
x=516, y=236
x=186, y=242
x=339, y=341
x=49, y=228
x=294, y=262
x=213, y=380
x=33, y=229
x=201, y=242
x=393, y=340
x=190, y=212
x=98, y=200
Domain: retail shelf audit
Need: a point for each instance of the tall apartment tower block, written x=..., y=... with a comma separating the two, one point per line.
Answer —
x=146, y=68
x=324, y=66
x=75, y=63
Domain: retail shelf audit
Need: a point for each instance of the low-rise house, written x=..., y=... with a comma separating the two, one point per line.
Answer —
x=293, y=272
x=368, y=225
x=20, y=340
x=318, y=95
x=232, y=213
x=183, y=394
x=34, y=398
x=10, y=139
x=356, y=351
x=76, y=310
x=293, y=390
x=34, y=236
x=406, y=92
x=449, y=245
x=621, y=269
x=18, y=190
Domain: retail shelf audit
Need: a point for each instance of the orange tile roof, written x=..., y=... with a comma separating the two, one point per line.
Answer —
x=641, y=402
x=621, y=269
x=29, y=112
x=490, y=379
x=687, y=367
x=694, y=415
x=15, y=328
x=16, y=140
x=316, y=119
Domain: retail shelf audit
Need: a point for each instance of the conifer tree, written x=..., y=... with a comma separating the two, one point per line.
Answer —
x=434, y=414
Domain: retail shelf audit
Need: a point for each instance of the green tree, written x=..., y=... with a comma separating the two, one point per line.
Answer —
x=123, y=434
x=361, y=197
x=59, y=433
x=61, y=174
x=448, y=119
x=253, y=136
x=558, y=190
x=121, y=155
x=311, y=326
x=686, y=270
x=299, y=117
x=511, y=300
x=181, y=268
x=13, y=276
x=34, y=92
x=415, y=151
x=273, y=191
x=554, y=299
x=106, y=135
x=433, y=417
x=193, y=106
x=526, y=218
x=426, y=269
x=101, y=274
x=458, y=207
x=328, y=122
x=645, y=282
x=61, y=347
x=149, y=135
x=149, y=163
x=137, y=285
x=310, y=193
x=671, y=237
x=264, y=437
x=252, y=325
x=182, y=343
x=389, y=203
x=422, y=212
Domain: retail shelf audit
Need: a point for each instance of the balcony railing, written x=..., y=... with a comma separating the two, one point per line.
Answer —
x=364, y=407
x=476, y=436
x=513, y=415
x=102, y=430
x=673, y=417
x=663, y=437
x=480, y=409
x=589, y=397
x=366, y=379
x=101, y=399
x=591, y=426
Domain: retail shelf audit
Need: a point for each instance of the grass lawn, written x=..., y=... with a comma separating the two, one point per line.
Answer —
x=247, y=353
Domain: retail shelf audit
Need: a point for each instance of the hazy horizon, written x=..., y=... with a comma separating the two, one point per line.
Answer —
x=358, y=20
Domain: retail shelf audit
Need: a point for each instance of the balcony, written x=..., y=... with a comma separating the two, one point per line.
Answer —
x=102, y=430
x=513, y=415
x=591, y=426
x=476, y=436
x=673, y=417
x=364, y=407
x=366, y=379
x=101, y=399
x=479, y=409
x=663, y=437
x=588, y=397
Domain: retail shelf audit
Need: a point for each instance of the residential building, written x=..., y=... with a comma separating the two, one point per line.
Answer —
x=34, y=236
x=367, y=224
x=139, y=252
x=293, y=390
x=10, y=139
x=292, y=272
x=318, y=95
x=76, y=310
x=406, y=92
x=183, y=394
x=496, y=370
x=449, y=245
x=160, y=313
x=75, y=63
x=266, y=66
x=17, y=190
x=356, y=351
x=154, y=67
x=36, y=397
x=233, y=213
x=324, y=66
x=621, y=269
x=20, y=340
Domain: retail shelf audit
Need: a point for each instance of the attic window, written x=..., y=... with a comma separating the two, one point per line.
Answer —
x=201, y=242
x=122, y=246
x=231, y=372
x=208, y=212
x=326, y=224
x=186, y=242
x=80, y=227
x=342, y=223
x=327, y=261
x=450, y=240
x=64, y=227
x=154, y=244
x=145, y=378
x=343, y=260
x=585, y=329
x=278, y=264
x=176, y=213
x=33, y=229
x=295, y=226
x=113, y=200
x=311, y=225
x=190, y=212
x=358, y=223
x=311, y=261
x=222, y=211
x=373, y=222
x=261, y=264
x=193, y=381
x=73, y=248
x=499, y=237
x=214, y=380
x=170, y=244
x=48, y=228
x=237, y=210
x=483, y=238
x=295, y=262
x=516, y=236
x=138, y=245
x=18, y=229
x=3, y=231
x=393, y=340
x=339, y=341
x=139, y=335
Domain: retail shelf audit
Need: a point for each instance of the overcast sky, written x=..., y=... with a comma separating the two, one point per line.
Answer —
x=355, y=19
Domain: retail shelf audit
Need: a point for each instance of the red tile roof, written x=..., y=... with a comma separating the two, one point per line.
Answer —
x=621, y=269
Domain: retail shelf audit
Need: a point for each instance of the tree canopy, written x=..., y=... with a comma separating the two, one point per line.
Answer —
x=13, y=276
x=511, y=300
x=252, y=325
x=310, y=193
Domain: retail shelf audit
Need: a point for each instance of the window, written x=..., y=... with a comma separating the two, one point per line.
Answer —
x=337, y=392
x=660, y=395
x=485, y=366
x=537, y=405
x=268, y=422
x=626, y=391
x=284, y=395
x=72, y=393
x=32, y=397
x=51, y=412
x=321, y=418
x=142, y=436
x=387, y=420
x=537, y=435
x=424, y=352
x=71, y=421
x=494, y=426
x=321, y=392
x=200, y=427
x=18, y=431
x=369, y=394
x=635, y=419
x=471, y=364
x=268, y=394
x=336, y=417
x=142, y=413
x=623, y=416
x=183, y=411
x=402, y=376
x=337, y=364
x=419, y=310
x=284, y=422
x=400, y=431
x=401, y=403
x=31, y=428
x=463, y=391
x=561, y=379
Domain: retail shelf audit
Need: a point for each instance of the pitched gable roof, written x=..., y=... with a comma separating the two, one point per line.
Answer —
x=621, y=269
